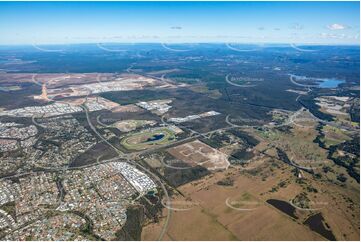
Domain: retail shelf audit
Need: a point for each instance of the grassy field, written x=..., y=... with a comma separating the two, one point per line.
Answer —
x=214, y=93
x=333, y=135
x=146, y=139
x=132, y=124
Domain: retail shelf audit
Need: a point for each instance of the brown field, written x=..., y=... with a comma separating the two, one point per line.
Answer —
x=198, y=153
x=211, y=219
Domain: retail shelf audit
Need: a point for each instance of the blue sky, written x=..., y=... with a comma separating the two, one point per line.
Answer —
x=182, y=22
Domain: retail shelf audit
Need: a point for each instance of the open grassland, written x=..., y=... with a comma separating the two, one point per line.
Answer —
x=232, y=204
x=297, y=143
x=333, y=136
x=249, y=217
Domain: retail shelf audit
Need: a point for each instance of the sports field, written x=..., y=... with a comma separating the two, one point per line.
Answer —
x=148, y=138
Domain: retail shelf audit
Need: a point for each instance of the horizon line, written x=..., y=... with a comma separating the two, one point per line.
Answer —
x=181, y=43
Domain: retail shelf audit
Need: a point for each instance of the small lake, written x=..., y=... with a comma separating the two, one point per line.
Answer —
x=330, y=83
x=317, y=82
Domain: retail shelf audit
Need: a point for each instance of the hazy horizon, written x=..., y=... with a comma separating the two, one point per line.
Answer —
x=40, y=23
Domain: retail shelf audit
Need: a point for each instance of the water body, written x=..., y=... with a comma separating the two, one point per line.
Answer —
x=330, y=83
x=318, y=82
x=155, y=137
x=317, y=223
x=283, y=207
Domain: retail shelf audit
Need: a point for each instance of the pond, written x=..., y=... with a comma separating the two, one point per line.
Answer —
x=317, y=223
x=155, y=137
x=283, y=206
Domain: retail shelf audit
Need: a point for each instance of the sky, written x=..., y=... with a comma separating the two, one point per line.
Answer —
x=179, y=22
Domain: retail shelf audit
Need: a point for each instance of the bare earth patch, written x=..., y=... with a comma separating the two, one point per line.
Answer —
x=198, y=153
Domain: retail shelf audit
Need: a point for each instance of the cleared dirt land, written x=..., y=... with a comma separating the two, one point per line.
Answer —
x=198, y=153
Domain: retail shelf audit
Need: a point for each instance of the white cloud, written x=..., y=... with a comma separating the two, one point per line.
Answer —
x=336, y=26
